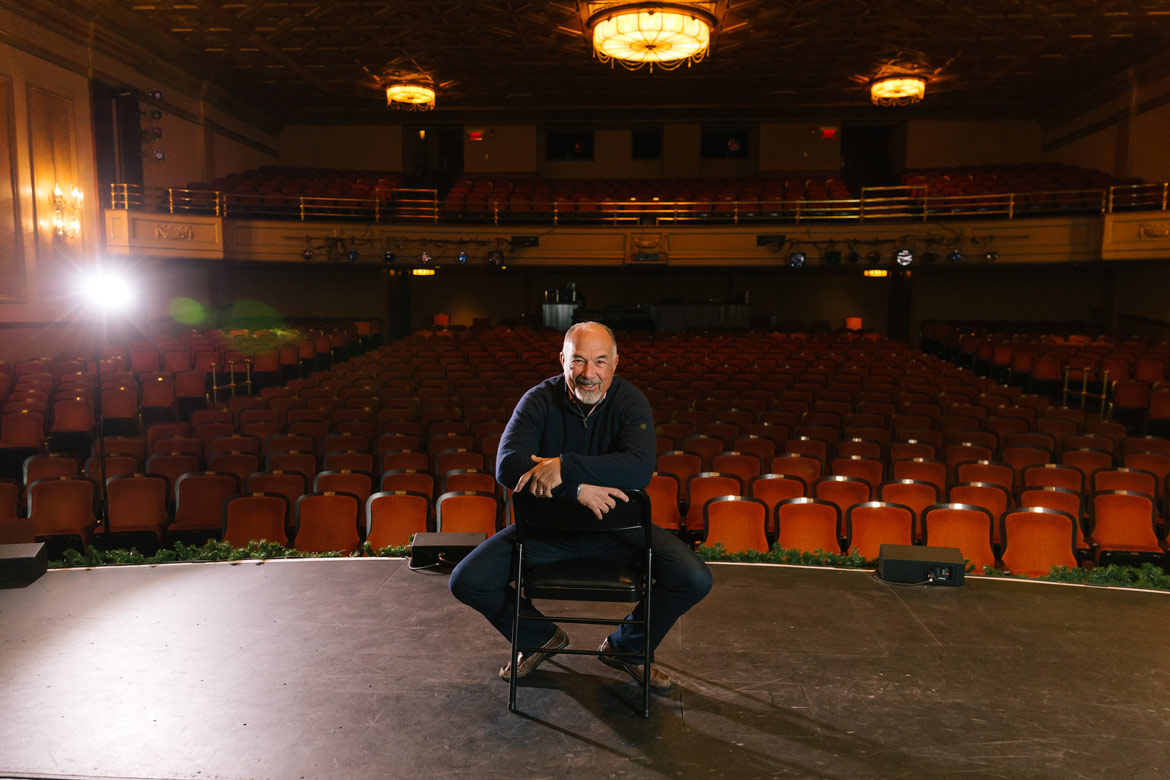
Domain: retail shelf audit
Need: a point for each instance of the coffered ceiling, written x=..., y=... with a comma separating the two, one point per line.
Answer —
x=324, y=61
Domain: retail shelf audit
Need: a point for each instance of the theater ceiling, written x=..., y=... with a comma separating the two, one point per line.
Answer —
x=326, y=61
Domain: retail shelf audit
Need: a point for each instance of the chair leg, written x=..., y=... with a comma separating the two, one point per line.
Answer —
x=515, y=630
x=646, y=640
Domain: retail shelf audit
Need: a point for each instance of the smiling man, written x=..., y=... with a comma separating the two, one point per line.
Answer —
x=585, y=434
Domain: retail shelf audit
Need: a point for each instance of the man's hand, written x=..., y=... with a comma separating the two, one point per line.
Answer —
x=599, y=499
x=541, y=478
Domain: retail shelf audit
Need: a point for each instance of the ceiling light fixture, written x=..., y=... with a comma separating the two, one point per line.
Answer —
x=410, y=95
x=904, y=257
x=655, y=34
x=903, y=89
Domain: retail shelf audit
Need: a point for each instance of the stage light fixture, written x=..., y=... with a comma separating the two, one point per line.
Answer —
x=353, y=255
x=424, y=257
x=832, y=257
x=904, y=257
x=389, y=257
x=874, y=257
x=929, y=257
x=853, y=257
x=308, y=253
x=956, y=256
x=797, y=259
x=991, y=256
x=496, y=258
x=462, y=258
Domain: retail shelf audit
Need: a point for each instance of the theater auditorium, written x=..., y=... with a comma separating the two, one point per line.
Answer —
x=891, y=277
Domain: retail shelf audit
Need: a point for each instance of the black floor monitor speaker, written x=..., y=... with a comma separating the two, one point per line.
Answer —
x=431, y=549
x=22, y=564
x=904, y=563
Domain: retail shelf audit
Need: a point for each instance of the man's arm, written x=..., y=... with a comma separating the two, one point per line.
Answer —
x=521, y=438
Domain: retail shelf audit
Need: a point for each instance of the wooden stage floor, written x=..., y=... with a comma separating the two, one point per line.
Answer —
x=364, y=669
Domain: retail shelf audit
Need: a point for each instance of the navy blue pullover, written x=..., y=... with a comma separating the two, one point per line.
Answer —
x=614, y=446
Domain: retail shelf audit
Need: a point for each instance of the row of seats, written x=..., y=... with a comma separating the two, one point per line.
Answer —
x=1123, y=376
x=211, y=504
x=1025, y=177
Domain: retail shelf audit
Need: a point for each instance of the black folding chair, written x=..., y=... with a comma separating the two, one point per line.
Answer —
x=582, y=579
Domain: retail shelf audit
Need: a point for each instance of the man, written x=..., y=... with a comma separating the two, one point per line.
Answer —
x=586, y=434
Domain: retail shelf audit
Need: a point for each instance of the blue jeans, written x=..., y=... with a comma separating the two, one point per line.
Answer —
x=482, y=580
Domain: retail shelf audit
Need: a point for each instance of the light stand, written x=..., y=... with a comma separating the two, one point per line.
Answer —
x=104, y=507
x=106, y=292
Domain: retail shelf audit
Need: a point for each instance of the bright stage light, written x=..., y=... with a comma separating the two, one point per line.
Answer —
x=107, y=290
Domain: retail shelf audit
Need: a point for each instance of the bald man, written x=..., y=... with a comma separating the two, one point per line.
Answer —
x=585, y=434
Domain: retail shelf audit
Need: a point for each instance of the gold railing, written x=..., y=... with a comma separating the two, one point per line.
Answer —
x=907, y=202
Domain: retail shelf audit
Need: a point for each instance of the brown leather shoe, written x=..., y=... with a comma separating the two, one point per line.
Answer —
x=528, y=663
x=659, y=680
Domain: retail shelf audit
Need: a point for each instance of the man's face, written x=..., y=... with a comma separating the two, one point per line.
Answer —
x=589, y=358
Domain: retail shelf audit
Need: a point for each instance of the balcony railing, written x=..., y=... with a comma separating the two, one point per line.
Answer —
x=909, y=202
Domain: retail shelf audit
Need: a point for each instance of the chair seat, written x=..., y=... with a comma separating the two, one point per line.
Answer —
x=583, y=580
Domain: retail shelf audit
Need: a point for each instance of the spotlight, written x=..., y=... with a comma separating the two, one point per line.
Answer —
x=853, y=258
x=991, y=256
x=107, y=290
x=353, y=255
x=929, y=257
x=956, y=256
x=308, y=253
x=424, y=257
x=796, y=259
x=874, y=257
x=496, y=258
x=462, y=258
x=389, y=257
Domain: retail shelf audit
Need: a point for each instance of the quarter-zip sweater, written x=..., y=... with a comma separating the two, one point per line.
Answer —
x=612, y=444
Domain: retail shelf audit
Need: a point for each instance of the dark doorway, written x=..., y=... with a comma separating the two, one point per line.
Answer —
x=867, y=158
x=432, y=157
x=117, y=134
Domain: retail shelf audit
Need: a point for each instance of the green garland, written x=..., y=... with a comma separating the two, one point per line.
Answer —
x=1148, y=576
x=211, y=550
x=780, y=554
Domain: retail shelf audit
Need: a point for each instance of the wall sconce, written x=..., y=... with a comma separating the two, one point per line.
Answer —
x=67, y=211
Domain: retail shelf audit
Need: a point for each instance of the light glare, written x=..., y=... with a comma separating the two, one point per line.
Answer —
x=106, y=290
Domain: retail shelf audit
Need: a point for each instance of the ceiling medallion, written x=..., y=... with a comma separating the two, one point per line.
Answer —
x=656, y=34
x=897, y=90
x=410, y=95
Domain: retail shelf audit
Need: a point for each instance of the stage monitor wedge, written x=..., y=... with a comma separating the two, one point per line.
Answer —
x=910, y=565
x=22, y=564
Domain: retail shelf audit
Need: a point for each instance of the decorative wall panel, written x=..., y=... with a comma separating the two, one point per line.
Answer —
x=51, y=134
x=11, y=244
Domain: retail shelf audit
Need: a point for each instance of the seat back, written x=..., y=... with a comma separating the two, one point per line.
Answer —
x=199, y=499
x=255, y=517
x=466, y=511
x=394, y=517
x=1037, y=538
x=738, y=523
x=968, y=528
x=808, y=524
x=327, y=522
x=870, y=525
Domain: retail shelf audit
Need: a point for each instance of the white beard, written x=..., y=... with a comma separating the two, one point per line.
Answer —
x=586, y=394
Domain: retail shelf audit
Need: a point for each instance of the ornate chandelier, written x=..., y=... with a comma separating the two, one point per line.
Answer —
x=897, y=90
x=655, y=34
x=412, y=96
